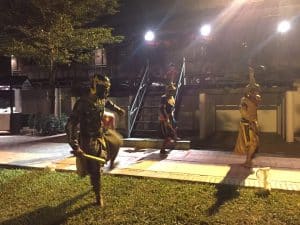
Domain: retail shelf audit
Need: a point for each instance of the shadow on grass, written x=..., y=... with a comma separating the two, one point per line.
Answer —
x=227, y=189
x=263, y=194
x=49, y=215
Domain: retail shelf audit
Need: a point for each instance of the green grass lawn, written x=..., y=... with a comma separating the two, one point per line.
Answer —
x=41, y=197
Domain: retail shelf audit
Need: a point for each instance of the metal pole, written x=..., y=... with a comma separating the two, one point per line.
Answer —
x=11, y=96
x=128, y=122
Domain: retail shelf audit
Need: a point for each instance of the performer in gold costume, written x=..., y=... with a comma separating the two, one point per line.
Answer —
x=248, y=137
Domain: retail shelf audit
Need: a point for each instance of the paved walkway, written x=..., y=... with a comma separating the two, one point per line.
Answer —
x=269, y=172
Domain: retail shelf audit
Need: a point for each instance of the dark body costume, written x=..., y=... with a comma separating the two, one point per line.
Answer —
x=88, y=113
x=167, y=120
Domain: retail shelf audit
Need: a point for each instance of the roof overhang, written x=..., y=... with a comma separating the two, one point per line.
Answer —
x=17, y=82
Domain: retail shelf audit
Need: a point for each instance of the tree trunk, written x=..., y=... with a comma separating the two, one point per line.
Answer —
x=51, y=91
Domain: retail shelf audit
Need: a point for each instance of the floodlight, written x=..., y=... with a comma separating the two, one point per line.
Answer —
x=205, y=30
x=284, y=26
x=149, y=35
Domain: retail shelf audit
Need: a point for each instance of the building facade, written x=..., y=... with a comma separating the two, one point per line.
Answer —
x=242, y=33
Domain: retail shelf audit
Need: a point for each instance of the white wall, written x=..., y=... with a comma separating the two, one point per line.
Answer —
x=123, y=102
x=228, y=120
x=18, y=100
x=267, y=120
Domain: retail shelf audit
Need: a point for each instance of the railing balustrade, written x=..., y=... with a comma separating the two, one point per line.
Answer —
x=180, y=83
x=134, y=108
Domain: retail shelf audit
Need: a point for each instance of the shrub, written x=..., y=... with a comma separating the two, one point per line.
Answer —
x=47, y=124
x=31, y=121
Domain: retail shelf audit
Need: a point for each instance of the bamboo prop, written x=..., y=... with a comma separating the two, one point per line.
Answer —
x=99, y=159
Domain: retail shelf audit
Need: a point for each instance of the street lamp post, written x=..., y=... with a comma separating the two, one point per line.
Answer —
x=11, y=100
x=282, y=28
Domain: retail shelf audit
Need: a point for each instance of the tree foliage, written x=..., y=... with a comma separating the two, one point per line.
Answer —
x=54, y=32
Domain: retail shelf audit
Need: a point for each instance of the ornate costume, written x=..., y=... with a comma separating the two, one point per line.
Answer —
x=88, y=112
x=248, y=136
x=167, y=121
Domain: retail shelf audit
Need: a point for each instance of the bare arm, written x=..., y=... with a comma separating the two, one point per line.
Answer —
x=112, y=106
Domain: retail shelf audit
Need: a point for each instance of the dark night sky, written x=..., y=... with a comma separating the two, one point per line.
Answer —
x=162, y=15
x=254, y=23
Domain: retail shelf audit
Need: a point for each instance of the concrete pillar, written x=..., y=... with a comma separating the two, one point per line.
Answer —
x=202, y=115
x=279, y=120
x=289, y=116
x=18, y=100
x=57, y=106
x=283, y=115
x=73, y=101
x=211, y=118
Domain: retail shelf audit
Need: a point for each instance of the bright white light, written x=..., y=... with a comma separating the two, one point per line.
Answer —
x=205, y=30
x=284, y=26
x=13, y=63
x=149, y=36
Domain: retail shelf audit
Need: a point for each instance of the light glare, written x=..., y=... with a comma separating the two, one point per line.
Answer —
x=284, y=26
x=205, y=30
x=149, y=36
